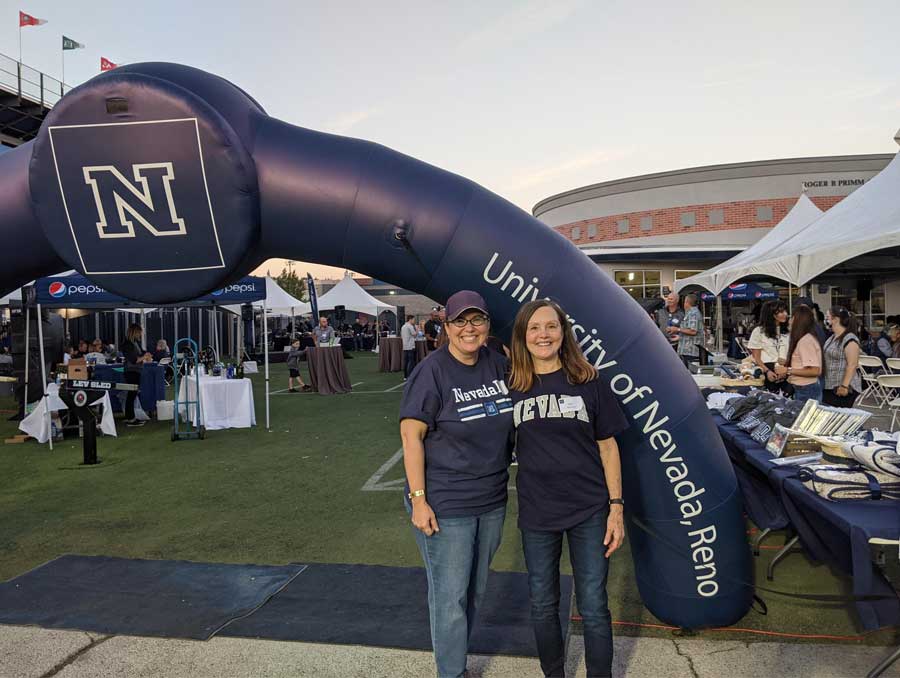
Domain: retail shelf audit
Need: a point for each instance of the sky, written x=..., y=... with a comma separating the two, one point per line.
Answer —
x=528, y=99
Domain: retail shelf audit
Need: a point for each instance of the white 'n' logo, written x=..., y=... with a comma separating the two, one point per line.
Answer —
x=142, y=210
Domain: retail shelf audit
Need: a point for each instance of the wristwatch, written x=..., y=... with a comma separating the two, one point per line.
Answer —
x=416, y=493
x=618, y=500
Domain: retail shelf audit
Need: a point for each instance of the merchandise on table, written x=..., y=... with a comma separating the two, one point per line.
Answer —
x=843, y=483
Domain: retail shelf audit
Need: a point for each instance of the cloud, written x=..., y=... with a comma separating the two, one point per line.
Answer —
x=545, y=175
x=519, y=23
x=344, y=122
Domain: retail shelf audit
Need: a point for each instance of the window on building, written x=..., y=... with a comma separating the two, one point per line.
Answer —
x=576, y=233
x=681, y=275
x=639, y=284
x=716, y=217
x=764, y=214
x=688, y=219
x=592, y=230
x=622, y=226
x=869, y=313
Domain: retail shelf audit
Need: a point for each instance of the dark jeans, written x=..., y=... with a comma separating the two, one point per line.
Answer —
x=809, y=392
x=409, y=362
x=586, y=549
x=131, y=378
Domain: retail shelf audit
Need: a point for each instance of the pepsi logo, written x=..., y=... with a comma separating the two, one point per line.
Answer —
x=57, y=290
x=219, y=293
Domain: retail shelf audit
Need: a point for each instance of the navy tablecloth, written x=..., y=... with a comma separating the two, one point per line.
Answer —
x=151, y=389
x=831, y=532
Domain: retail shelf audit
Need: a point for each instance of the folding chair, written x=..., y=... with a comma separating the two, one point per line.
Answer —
x=893, y=365
x=889, y=383
x=869, y=369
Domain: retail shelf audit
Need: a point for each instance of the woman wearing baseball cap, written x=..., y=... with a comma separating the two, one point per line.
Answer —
x=569, y=480
x=456, y=423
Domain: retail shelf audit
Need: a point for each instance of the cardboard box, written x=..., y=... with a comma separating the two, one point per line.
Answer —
x=78, y=368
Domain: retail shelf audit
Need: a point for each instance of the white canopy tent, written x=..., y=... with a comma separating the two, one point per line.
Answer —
x=277, y=302
x=754, y=259
x=865, y=221
x=350, y=295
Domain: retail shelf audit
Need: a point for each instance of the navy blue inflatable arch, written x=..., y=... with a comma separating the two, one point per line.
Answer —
x=161, y=182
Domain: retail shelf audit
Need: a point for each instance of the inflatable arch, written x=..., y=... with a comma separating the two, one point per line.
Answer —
x=162, y=182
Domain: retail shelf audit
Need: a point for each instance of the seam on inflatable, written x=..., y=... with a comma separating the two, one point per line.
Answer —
x=462, y=215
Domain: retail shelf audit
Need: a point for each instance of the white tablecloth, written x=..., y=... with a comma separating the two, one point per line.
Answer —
x=37, y=424
x=224, y=403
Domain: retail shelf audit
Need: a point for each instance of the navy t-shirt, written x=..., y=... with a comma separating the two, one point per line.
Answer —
x=469, y=416
x=560, y=481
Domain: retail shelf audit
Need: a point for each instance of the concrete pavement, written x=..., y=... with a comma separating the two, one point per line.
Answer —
x=29, y=652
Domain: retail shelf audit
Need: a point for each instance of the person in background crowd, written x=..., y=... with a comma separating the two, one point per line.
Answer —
x=81, y=351
x=456, y=456
x=892, y=332
x=323, y=334
x=817, y=316
x=804, y=357
x=569, y=480
x=67, y=354
x=357, y=335
x=669, y=318
x=293, y=364
x=690, y=331
x=95, y=353
x=135, y=357
x=112, y=353
x=5, y=357
x=431, y=330
x=842, y=381
x=162, y=350
x=884, y=347
x=866, y=340
x=408, y=337
x=768, y=344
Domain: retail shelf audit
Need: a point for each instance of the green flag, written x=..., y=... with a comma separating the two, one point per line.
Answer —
x=68, y=43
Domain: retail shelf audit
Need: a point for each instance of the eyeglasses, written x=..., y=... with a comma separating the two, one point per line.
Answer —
x=477, y=321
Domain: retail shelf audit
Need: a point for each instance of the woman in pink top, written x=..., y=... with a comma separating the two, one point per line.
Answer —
x=803, y=366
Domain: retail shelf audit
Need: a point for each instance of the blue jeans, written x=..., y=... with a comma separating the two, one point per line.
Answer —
x=811, y=392
x=456, y=561
x=590, y=566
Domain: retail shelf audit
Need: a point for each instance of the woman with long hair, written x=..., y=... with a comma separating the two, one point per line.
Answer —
x=842, y=381
x=768, y=344
x=455, y=424
x=803, y=364
x=135, y=357
x=569, y=480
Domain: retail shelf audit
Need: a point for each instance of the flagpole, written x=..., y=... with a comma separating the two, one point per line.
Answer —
x=20, y=40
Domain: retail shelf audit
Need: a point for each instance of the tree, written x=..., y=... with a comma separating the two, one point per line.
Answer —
x=293, y=284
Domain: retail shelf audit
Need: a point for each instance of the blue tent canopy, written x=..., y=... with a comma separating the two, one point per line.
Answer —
x=743, y=292
x=76, y=291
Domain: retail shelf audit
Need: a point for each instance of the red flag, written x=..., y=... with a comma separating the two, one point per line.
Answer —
x=28, y=20
x=106, y=64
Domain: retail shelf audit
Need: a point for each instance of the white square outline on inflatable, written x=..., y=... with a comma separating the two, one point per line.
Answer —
x=205, y=187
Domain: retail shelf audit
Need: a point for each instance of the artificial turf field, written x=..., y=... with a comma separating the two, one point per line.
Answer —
x=295, y=494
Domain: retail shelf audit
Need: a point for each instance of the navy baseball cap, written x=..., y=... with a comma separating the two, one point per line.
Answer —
x=804, y=301
x=463, y=301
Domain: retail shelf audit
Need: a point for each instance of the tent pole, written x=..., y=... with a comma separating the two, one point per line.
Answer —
x=266, y=351
x=293, y=325
x=175, y=312
x=49, y=416
x=144, y=328
x=116, y=328
x=790, y=301
x=27, y=353
x=96, y=324
x=720, y=324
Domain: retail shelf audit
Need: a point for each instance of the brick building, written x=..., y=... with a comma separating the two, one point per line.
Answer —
x=648, y=231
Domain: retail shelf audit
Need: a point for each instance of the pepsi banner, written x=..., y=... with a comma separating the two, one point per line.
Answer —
x=743, y=292
x=76, y=291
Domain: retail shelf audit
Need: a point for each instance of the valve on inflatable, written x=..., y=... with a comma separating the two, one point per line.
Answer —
x=162, y=182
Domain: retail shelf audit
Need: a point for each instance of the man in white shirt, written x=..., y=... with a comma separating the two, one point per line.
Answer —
x=408, y=335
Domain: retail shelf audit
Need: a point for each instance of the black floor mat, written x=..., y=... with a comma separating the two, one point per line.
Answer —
x=168, y=598
x=388, y=607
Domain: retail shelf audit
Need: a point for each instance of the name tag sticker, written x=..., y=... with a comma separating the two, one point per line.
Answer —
x=570, y=403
